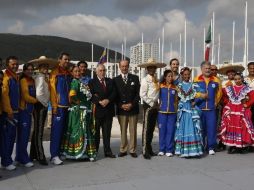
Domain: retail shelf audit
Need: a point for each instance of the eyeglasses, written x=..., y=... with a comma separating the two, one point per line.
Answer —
x=214, y=69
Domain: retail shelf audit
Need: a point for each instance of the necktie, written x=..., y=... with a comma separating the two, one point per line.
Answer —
x=125, y=79
x=103, y=84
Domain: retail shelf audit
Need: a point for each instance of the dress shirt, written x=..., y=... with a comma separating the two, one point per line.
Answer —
x=149, y=90
x=102, y=81
x=42, y=89
x=250, y=82
x=125, y=77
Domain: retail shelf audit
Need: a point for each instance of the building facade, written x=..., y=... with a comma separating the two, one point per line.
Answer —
x=150, y=50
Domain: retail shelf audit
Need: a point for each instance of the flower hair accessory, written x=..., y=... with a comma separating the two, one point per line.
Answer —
x=185, y=69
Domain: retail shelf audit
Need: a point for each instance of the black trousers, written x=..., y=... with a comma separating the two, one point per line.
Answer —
x=40, y=114
x=105, y=123
x=149, y=122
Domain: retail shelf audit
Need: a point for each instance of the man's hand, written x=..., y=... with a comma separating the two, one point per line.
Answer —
x=156, y=105
x=104, y=102
x=126, y=107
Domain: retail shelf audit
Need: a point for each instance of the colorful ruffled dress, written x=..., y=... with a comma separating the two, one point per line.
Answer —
x=188, y=136
x=78, y=140
x=236, y=126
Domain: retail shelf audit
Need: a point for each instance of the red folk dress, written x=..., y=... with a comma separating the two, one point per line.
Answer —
x=236, y=126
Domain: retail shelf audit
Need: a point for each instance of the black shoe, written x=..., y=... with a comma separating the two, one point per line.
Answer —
x=232, y=150
x=134, y=155
x=110, y=155
x=122, y=154
x=243, y=150
x=250, y=149
x=43, y=162
x=153, y=154
x=220, y=147
x=147, y=156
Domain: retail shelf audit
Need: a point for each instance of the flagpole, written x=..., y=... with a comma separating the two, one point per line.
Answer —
x=171, y=47
x=218, y=50
x=233, y=43
x=185, y=32
x=92, y=63
x=122, y=52
x=193, y=56
x=142, y=54
x=107, y=59
x=115, y=63
x=125, y=47
x=247, y=52
x=162, y=46
x=180, y=48
x=245, y=36
x=159, y=49
x=213, y=29
x=162, y=51
x=204, y=42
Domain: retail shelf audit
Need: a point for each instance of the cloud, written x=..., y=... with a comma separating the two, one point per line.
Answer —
x=231, y=8
x=159, y=5
x=100, y=29
x=6, y=4
x=170, y=55
x=17, y=28
x=31, y=9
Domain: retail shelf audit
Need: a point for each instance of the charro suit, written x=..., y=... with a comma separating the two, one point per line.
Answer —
x=127, y=92
x=103, y=115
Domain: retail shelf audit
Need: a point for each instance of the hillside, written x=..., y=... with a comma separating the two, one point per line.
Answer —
x=28, y=47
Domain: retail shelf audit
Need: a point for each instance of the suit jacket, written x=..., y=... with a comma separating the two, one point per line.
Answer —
x=127, y=93
x=99, y=94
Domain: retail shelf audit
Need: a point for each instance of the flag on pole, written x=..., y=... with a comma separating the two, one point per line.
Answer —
x=103, y=58
x=208, y=41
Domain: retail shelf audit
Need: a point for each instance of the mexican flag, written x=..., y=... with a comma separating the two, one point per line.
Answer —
x=208, y=40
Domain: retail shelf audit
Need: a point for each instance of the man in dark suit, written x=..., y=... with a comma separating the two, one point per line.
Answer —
x=127, y=88
x=103, y=95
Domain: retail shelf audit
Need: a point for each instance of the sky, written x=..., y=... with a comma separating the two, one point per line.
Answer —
x=100, y=21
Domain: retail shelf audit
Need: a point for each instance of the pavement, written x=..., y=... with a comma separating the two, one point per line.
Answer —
x=221, y=172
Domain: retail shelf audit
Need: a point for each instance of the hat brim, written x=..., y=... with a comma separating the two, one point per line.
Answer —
x=52, y=63
x=237, y=68
x=157, y=65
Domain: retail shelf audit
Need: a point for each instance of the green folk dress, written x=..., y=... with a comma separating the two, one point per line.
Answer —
x=78, y=138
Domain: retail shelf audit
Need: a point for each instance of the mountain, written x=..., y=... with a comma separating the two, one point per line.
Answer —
x=27, y=47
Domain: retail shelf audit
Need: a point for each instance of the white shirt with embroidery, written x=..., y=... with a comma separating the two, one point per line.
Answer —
x=250, y=82
x=148, y=91
x=42, y=89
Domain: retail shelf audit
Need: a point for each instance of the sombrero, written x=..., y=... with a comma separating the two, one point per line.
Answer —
x=229, y=67
x=44, y=60
x=151, y=62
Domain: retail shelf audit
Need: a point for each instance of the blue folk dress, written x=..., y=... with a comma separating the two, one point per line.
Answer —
x=188, y=136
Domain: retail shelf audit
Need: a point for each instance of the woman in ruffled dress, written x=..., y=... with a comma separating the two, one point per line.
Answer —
x=237, y=130
x=188, y=134
x=78, y=139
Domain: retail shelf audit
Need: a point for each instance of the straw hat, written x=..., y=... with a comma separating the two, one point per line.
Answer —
x=44, y=60
x=229, y=67
x=151, y=62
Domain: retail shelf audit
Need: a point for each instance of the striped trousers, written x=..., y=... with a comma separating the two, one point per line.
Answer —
x=40, y=114
x=149, y=122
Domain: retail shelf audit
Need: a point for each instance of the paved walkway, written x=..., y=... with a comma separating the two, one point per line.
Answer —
x=221, y=172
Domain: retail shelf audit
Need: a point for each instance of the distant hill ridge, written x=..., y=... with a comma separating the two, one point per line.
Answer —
x=27, y=47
